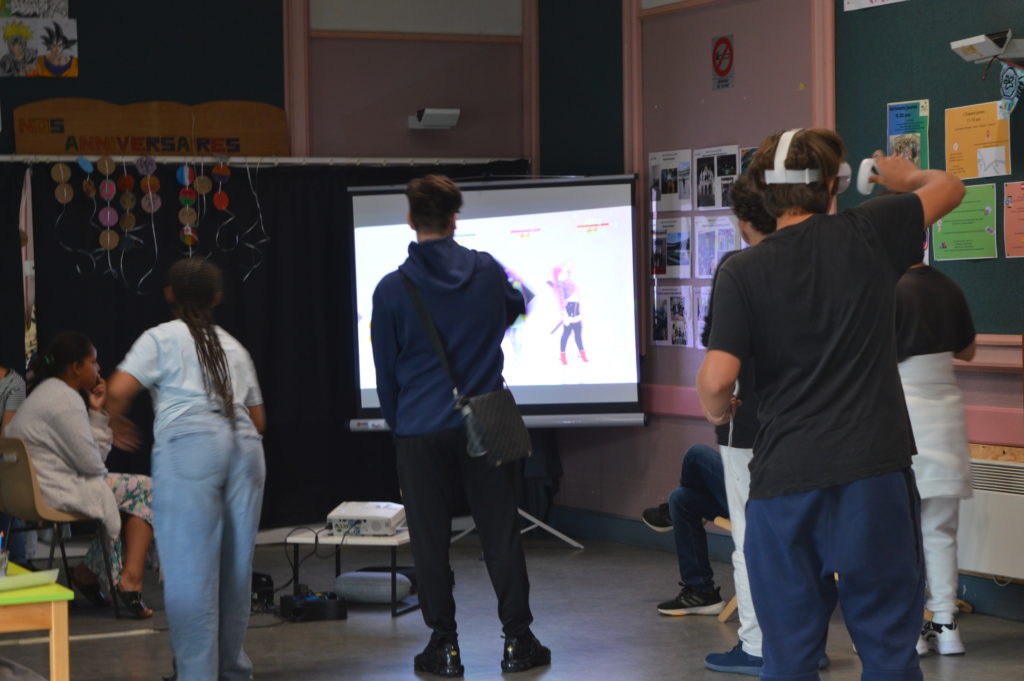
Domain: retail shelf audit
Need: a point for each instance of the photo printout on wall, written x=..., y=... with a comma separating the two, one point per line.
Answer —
x=716, y=169
x=670, y=179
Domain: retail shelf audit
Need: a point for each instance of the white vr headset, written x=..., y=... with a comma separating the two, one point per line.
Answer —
x=782, y=175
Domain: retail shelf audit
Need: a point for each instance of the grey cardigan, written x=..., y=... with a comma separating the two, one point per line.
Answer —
x=68, y=444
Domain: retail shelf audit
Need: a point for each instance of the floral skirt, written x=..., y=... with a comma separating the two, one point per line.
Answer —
x=134, y=495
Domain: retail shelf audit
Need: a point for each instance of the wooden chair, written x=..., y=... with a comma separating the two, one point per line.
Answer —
x=730, y=607
x=21, y=498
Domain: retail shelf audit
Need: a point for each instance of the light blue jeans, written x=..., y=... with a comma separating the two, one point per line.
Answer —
x=207, y=493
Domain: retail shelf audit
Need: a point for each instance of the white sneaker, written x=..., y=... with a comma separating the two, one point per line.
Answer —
x=942, y=638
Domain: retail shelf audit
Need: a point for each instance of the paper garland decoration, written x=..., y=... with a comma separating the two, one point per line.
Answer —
x=116, y=223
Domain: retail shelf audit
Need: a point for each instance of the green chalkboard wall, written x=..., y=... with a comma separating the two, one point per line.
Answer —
x=901, y=52
x=188, y=51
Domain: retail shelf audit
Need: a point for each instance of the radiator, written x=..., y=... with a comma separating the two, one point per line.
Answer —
x=991, y=535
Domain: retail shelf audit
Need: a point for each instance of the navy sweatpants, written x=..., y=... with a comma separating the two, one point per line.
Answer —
x=867, y=531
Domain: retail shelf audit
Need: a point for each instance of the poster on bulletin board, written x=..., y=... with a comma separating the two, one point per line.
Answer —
x=969, y=232
x=978, y=141
x=1013, y=219
x=907, y=131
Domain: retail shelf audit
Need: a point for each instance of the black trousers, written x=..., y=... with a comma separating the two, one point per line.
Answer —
x=433, y=471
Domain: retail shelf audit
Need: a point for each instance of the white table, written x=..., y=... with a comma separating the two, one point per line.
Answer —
x=310, y=538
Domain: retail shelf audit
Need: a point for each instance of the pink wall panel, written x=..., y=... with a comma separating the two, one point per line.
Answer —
x=362, y=92
x=623, y=472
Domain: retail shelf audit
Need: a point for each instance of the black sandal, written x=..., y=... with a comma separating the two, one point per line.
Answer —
x=132, y=601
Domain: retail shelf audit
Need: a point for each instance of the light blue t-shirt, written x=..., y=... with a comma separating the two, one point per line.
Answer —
x=164, y=360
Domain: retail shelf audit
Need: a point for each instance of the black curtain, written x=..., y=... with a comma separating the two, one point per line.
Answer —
x=289, y=301
x=12, y=311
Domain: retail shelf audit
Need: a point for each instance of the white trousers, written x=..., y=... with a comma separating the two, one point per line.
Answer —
x=940, y=517
x=736, y=463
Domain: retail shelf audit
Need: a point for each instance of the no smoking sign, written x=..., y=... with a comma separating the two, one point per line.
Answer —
x=722, y=60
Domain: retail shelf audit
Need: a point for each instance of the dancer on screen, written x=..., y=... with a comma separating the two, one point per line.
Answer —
x=568, y=296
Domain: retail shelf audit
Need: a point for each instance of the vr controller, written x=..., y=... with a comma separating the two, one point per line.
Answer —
x=867, y=169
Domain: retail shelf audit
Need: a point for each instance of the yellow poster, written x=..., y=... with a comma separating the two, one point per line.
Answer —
x=977, y=141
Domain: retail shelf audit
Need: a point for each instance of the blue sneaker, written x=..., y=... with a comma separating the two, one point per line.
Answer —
x=736, y=661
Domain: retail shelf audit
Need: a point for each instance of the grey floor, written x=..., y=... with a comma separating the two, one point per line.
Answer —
x=594, y=608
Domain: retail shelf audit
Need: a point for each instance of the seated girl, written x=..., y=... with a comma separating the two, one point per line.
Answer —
x=68, y=444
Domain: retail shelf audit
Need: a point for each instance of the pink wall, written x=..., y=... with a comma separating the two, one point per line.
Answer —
x=362, y=92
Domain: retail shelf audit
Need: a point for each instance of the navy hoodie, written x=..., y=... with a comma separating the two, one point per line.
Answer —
x=471, y=302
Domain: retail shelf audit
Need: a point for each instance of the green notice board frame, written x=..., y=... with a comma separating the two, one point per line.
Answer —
x=900, y=52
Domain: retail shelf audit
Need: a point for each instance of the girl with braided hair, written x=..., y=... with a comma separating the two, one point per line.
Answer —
x=208, y=471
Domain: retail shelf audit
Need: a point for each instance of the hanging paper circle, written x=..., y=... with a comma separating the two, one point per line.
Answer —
x=106, y=165
x=60, y=172
x=151, y=203
x=186, y=175
x=221, y=173
x=220, y=200
x=145, y=165
x=107, y=190
x=64, y=192
x=84, y=163
x=203, y=184
x=109, y=239
x=187, y=196
x=89, y=187
x=108, y=216
x=188, y=235
x=187, y=216
x=127, y=201
x=126, y=183
x=150, y=184
x=127, y=221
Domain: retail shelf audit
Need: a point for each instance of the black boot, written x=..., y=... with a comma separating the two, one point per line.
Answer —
x=524, y=652
x=440, y=657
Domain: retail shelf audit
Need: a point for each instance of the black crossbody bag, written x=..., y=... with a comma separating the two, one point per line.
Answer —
x=494, y=426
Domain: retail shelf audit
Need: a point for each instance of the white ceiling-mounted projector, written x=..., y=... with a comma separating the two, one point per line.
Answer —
x=434, y=119
x=366, y=518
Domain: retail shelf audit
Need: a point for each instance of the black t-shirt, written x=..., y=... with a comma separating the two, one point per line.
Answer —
x=812, y=305
x=744, y=424
x=931, y=314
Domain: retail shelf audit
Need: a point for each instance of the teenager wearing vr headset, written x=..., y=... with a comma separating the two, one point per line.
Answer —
x=831, y=487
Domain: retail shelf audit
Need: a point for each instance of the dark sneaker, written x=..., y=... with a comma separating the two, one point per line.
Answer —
x=736, y=661
x=440, y=657
x=693, y=602
x=524, y=652
x=657, y=518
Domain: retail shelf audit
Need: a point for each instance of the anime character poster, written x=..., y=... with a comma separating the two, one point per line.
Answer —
x=35, y=47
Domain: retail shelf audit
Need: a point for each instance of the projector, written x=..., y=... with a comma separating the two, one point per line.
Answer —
x=366, y=518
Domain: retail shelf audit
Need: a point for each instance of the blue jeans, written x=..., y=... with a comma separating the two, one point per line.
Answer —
x=700, y=496
x=15, y=542
x=207, y=493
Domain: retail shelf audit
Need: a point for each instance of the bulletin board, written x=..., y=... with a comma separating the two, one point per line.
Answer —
x=901, y=52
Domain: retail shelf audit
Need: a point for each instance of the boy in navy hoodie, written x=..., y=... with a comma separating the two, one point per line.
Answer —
x=471, y=303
